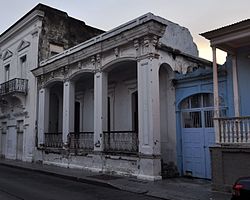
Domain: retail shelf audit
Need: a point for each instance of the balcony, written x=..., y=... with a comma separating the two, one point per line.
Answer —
x=83, y=141
x=53, y=140
x=121, y=142
x=16, y=85
x=234, y=130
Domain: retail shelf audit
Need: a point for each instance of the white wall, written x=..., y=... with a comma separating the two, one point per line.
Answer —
x=29, y=35
x=167, y=113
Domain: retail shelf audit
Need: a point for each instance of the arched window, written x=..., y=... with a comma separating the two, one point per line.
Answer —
x=197, y=111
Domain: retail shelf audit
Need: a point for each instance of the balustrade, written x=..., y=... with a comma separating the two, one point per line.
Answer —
x=14, y=85
x=53, y=140
x=81, y=140
x=121, y=141
x=234, y=130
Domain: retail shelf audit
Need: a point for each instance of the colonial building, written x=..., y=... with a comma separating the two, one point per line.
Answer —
x=230, y=155
x=135, y=100
x=40, y=34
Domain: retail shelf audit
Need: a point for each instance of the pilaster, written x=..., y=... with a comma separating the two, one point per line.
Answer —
x=68, y=108
x=43, y=114
x=216, y=96
x=100, y=108
x=149, y=118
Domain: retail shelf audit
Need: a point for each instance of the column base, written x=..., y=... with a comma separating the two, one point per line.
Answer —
x=150, y=168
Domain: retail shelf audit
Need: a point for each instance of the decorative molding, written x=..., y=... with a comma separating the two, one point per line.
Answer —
x=146, y=41
x=20, y=114
x=136, y=44
x=7, y=54
x=131, y=84
x=92, y=60
x=23, y=44
x=155, y=40
x=116, y=51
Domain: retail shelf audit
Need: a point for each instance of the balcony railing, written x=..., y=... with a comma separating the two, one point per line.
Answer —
x=81, y=141
x=15, y=85
x=53, y=140
x=121, y=141
x=234, y=130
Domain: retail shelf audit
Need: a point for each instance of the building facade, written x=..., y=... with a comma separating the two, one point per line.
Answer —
x=230, y=155
x=109, y=104
x=136, y=100
x=40, y=34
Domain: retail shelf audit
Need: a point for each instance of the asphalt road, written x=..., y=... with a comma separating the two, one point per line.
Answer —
x=16, y=184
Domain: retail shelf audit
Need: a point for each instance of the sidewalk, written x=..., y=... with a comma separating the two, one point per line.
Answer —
x=171, y=189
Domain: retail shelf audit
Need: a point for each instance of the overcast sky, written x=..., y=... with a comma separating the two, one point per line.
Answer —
x=197, y=15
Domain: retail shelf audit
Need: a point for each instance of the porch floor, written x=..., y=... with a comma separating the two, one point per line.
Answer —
x=171, y=189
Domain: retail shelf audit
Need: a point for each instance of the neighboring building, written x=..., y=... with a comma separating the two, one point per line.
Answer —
x=41, y=33
x=230, y=156
x=135, y=100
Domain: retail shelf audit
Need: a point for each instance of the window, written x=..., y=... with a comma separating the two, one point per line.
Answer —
x=4, y=127
x=204, y=100
x=55, y=49
x=197, y=111
x=23, y=63
x=192, y=119
x=7, y=72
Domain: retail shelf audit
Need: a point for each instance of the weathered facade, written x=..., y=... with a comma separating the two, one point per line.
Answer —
x=116, y=100
x=230, y=155
x=136, y=100
x=41, y=33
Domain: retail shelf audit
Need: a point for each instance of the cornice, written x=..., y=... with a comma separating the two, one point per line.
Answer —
x=97, y=46
x=35, y=15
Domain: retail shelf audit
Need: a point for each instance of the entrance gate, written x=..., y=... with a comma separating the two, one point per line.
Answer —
x=197, y=135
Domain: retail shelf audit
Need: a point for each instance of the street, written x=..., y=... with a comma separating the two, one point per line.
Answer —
x=29, y=185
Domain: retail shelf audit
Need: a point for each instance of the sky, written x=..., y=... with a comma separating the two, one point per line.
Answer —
x=197, y=15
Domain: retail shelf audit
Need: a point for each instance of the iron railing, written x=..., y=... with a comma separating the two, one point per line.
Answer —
x=15, y=85
x=53, y=140
x=81, y=141
x=121, y=141
x=234, y=130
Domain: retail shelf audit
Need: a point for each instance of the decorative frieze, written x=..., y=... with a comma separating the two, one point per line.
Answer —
x=116, y=51
x=136, y=44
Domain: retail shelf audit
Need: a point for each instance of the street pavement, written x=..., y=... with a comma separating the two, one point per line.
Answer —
x=17, y=184
x=169, y=189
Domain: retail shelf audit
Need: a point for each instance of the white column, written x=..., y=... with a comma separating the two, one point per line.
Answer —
x=68, y=109
x=60, y=113
x=43, y=114
x=149, y=118
x=216, y=96
x=235, y=87
x=81, y=113
x=100, y=108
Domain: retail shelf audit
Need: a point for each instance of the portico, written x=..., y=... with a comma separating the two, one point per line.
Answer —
x=110, y=92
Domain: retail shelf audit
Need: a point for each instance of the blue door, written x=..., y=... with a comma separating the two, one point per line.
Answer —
x=197, y=136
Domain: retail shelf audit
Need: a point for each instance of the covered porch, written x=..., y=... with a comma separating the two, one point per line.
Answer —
x=233, y=130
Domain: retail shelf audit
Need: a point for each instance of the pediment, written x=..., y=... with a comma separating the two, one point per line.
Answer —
x=7, y=54
x=23, y=44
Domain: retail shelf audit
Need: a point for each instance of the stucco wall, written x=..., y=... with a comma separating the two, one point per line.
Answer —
x=167, y=115
x=180, y=38
x=225, y=165
x=243, y=66
x=60, y=29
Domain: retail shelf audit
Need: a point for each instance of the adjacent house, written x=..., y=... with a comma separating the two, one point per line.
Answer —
x=230, y=155
x=40, y=34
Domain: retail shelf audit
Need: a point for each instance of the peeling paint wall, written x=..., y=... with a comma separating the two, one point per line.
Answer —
x=61, y=30
x=180, y=38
